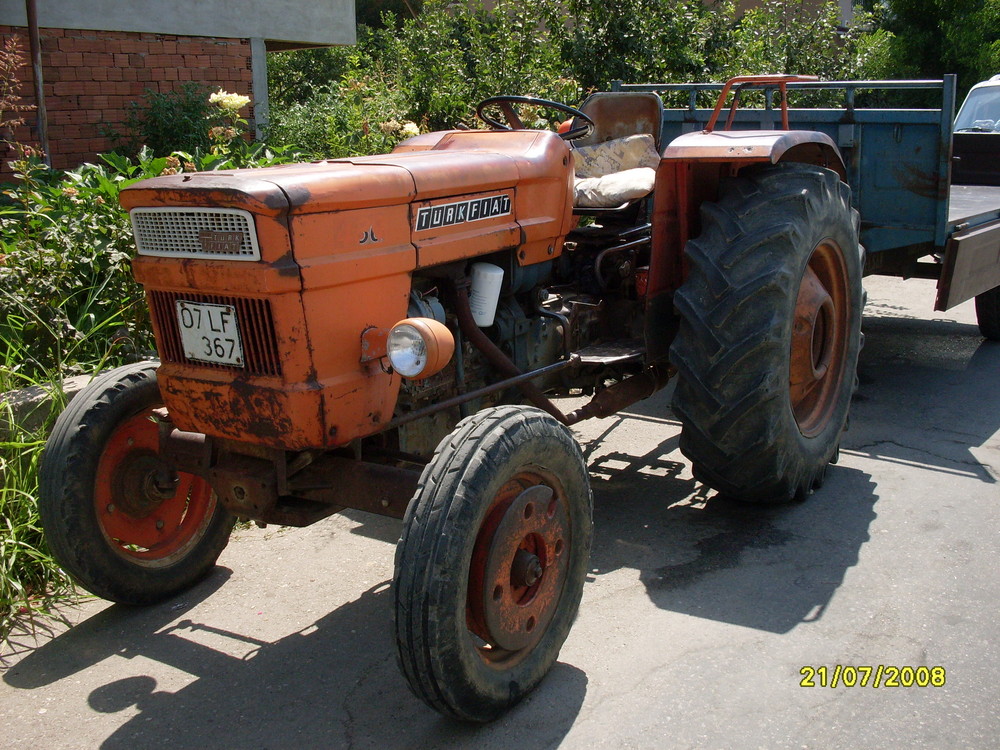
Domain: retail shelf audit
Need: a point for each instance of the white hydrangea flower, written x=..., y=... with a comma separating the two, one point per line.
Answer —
x=227, y=101
x=410, y=129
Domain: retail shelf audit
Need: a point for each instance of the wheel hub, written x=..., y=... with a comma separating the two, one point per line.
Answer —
x=523, y=565
x=147, y=511
x=819, y=338
x=142, y=484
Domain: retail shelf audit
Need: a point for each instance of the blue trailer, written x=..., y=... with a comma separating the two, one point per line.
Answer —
x=914, y=222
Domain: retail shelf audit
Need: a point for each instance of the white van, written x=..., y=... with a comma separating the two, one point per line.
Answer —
x=976, y=139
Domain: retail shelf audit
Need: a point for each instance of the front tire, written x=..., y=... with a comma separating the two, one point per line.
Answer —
x=492, y=560
x=121, y=521
x=770, y=331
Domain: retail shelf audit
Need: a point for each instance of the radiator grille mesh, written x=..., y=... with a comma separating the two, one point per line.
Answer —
x=195, y=233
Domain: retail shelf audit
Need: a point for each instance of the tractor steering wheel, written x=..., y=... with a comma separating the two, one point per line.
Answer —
x=506, y=104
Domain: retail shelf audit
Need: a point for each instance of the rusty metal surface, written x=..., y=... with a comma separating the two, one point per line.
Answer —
x=480, y=392
x=238, y=188
x=744, y=145
x=524, y=568
x=348, y=483
x=373, y=343
x=624, y=393
x=819, y=338
x=615, y=352
x=756, y=81
x=518, y=567
x=246, y=485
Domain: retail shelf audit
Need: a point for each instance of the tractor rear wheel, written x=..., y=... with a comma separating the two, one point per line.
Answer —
x=770, y=331
x=492, y=560
x=117, y=517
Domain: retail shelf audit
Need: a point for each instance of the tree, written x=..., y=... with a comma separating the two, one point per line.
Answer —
x=934, y=37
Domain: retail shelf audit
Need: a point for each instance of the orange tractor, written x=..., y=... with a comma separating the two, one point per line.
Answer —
x=384, y=333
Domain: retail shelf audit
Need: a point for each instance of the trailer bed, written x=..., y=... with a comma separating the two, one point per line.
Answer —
x=973, y=204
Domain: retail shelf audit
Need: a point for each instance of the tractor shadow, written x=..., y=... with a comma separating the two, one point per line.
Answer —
x=926, y=399
x=768, y=568
x=332, y=684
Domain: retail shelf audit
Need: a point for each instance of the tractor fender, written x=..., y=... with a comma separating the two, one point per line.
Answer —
x=744, y=147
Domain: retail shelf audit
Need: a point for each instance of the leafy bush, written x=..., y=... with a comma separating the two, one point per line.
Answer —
x=433, y=69
x=65, y=284
x=430, y=71
x=166, y=122
x=645, y=41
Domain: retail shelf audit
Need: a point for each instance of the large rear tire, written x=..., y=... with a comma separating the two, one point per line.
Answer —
x=492, y=560
x=120, y=520
x=770, y=331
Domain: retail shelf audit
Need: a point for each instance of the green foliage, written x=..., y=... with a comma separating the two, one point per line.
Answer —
x=434, y=69
x=929, y=38
x=644, y=41
x=296, y=77
x=431, y=71
x=65, y=274
x=166, y=122
x=792, y=36
x=30, y=580
x=378, y=14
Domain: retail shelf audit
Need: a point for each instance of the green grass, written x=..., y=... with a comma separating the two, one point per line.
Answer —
x=31, y=582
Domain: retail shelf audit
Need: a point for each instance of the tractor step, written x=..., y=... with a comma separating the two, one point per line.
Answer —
x=615, y=353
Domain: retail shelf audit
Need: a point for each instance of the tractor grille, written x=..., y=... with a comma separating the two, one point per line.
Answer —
x=195, y=233
x=256, y=326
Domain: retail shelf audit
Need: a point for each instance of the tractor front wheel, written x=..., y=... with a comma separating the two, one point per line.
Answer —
x=770, y=331
x=492, y=560
x=117, y=517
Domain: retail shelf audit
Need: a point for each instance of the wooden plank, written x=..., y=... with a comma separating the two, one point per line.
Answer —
x=971, y=265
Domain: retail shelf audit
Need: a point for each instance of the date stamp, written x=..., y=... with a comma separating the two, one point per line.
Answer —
x=876, y=676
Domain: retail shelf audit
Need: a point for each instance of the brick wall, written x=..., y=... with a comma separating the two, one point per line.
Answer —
x=90, y=77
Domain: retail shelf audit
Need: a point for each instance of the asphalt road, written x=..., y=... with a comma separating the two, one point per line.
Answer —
x=699, y=622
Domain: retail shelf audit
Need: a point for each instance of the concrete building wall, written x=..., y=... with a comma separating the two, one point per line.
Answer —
x=305, y=22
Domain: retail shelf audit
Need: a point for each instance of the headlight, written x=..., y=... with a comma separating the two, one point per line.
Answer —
x=419, y=347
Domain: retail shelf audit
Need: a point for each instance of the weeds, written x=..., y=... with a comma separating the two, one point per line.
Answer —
x=31, y=582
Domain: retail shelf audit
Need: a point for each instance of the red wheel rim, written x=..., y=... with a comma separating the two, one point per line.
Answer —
x=149, y=513
x=519, y=566
x=819, y=338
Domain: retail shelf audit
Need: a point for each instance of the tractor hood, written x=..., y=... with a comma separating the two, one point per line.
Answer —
x=456, y=163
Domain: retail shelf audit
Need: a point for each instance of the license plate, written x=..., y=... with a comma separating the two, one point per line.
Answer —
x=210, y=333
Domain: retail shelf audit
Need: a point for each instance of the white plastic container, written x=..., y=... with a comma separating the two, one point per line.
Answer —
x=486, y=281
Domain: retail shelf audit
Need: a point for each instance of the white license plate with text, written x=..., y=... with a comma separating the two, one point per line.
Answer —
x=210, y=333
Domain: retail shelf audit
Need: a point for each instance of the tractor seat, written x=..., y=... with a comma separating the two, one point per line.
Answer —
x=611, y=174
